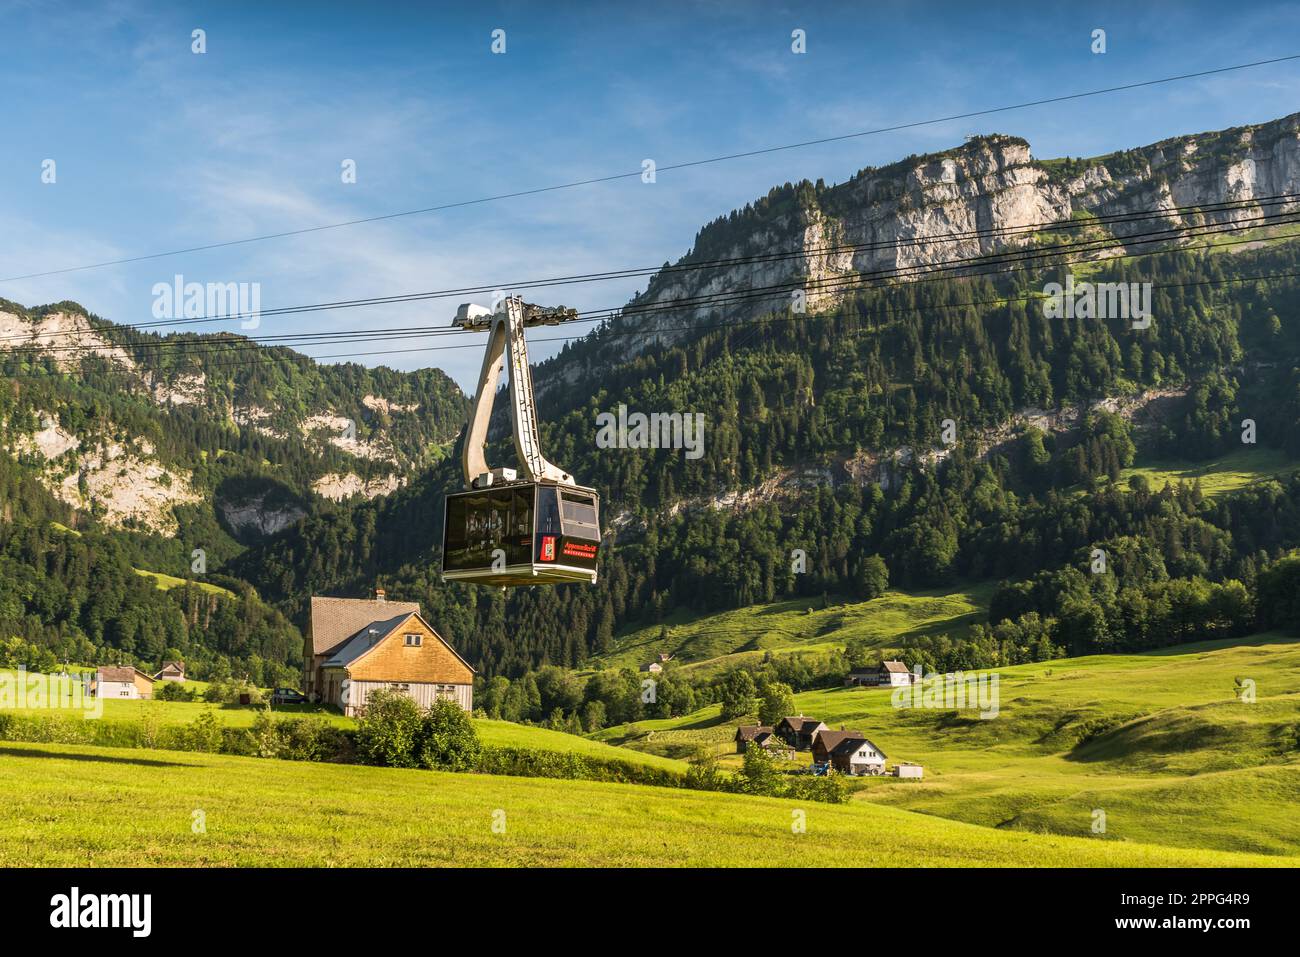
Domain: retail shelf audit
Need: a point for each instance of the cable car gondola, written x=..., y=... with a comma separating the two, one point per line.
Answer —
x=543, y=529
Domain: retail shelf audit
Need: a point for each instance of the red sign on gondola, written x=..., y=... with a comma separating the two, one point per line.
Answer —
x=548, y=548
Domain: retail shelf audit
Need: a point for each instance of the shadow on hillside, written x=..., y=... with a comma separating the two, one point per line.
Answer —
x=105, y=758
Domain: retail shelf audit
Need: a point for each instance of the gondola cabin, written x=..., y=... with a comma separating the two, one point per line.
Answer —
x=522, y=533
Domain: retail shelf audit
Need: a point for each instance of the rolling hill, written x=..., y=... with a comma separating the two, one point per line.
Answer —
x=1152, y=739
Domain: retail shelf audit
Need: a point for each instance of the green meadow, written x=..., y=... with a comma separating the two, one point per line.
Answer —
x=167, y=582
x=497, y=734
x=721, y=641
x=1161, y=743
x=74, y=806
x=1228, y=473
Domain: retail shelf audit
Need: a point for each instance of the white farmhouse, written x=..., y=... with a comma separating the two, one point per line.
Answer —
x=122, y=682
x=894, y=674
x=855, y=754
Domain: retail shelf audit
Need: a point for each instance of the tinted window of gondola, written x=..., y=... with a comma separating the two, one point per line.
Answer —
x=548, y=511
x=480, y=522
x=579, y=515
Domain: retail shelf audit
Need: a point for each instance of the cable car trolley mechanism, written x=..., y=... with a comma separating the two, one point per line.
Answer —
x=541, y=529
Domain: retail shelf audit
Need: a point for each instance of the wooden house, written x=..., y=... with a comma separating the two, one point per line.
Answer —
x=827, y=741
x=335, y=620
x=798, y=732
x=754, y=733
x=399, y=651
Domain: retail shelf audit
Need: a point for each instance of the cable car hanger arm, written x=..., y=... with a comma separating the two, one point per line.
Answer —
x=507, y=343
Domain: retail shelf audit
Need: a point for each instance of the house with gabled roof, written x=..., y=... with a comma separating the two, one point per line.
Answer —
x=751, y=734
x=333, y=621
x=855, y=754
x=125, y=681
x=798, y=732
x=363, y=645
x=894, y=674
x=171, y=671
x=825, y=742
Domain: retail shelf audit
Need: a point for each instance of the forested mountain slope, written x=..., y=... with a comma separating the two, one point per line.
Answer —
x=923, y=428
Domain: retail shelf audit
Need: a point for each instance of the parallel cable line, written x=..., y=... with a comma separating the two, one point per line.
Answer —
x=1136, y=216
x=928, y=272
x=242, y=344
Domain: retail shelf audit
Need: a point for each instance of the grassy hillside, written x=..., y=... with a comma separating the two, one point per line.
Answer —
x=1159, y=741
x=81, y=805
x=710, y=641
x=1224, y=474
x=168, y=582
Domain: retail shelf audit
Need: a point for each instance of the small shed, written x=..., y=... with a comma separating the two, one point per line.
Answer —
x=171, y=671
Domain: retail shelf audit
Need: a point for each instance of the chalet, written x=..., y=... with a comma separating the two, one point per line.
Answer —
x=171, y=671
x=854, y=754
x=894, y=674
x=392, y=647
x=121, y=682
x=862, y=677
x=653, y=668
x=827, y=741
x=333, y=621
x=798, y=732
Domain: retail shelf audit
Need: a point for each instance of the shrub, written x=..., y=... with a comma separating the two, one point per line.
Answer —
x=204, y=733
x=758, y=775
x=704, y=775
x=532, y=763
x=389, y=730
x=173, y=691
x=828, y=789
x=447, y=739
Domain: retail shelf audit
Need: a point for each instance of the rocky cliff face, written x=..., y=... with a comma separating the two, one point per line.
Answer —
x=905, y=215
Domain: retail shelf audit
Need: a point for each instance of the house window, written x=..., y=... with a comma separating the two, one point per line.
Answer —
x=414, y=641
x=446, y=691
x=124, y=694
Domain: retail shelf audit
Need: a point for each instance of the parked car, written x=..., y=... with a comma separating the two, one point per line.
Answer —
x=287, y=696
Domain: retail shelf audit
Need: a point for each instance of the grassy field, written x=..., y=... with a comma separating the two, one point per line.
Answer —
x=492, y=733
x=1159, y=741
x=724, y=639
x=106, y=807
x=168, y=582
x=506, y=734
x=1224, y=474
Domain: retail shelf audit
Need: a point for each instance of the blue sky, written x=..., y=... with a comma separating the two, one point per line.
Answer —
x=158, y=148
